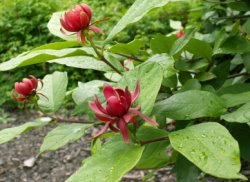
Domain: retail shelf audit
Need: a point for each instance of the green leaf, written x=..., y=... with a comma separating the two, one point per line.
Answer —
x=83, y=62
x=205, y=76
x=234, y=95
x=182, y=42
x=162, y=44
x=54, y=27
x=191, y=84
x=54, y=91
x=150, y=77
x=11, y=133
x=58, y=45
x=211, y=148
x=62, y=135
x=40, y=56
x=246, y=61
x=109, y=163
x=190, y=105
x=166, y=62
x=84, y=92
x=241, y=115
x=154, y=154
x=236, y=99
x=200, y=48
x=240, y=6
x=130, y=48
x=241, y=132
x=135, y=13
x=190, y=173
x=232, y=45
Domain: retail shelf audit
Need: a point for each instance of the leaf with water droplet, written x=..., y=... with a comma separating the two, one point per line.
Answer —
x=214, y=158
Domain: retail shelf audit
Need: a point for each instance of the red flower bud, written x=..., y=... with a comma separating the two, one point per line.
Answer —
x=25, y=88
x=180, y=34
x=78, y=20
x=118, y=110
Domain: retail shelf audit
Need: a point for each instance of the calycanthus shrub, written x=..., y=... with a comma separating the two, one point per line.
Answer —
x=182, y=98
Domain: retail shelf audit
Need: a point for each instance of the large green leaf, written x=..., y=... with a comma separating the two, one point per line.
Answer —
x=54, y=91
x=190, y=105
x=162, y=44
x=40, y=56
x=62, y=135
x=154, y=154
x=241, y=115
x=11, y=133
x=232, y=45
x=130, y=48
x=211, y=148
x=150, y=77
x=166, y=62
x=109, y=163
x=83, y=62
x=54, y=27
x=235, y=94
x=200, y=48
x=135, y=13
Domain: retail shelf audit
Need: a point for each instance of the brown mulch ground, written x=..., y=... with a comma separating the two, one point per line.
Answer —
x=54, y=166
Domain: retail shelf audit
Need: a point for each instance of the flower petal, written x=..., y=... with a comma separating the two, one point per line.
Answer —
x=96, y=29
x=128, y=96
x=34, y=81
x=114, y=107
x=124, y=131
x=136, y=92
x=113, y=128
x=81, y=37
x=104, y=128
x=143, y=116
x=99, y=106
x=108, y=91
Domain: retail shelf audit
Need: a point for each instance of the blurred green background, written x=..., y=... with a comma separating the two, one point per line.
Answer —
x=23, y=26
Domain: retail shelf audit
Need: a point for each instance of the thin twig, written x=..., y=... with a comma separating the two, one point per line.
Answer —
x=102, y=57
x=124, y=55
x=237, y=75
x=232, y=17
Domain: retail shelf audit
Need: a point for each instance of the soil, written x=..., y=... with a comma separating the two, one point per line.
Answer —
x=55, y=166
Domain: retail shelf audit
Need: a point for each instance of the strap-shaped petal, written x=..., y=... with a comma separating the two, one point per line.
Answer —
x=143, y=116
x=96, y=29
x=108, y=91
x=104, y=128
x=124, y=131
x=136, y=92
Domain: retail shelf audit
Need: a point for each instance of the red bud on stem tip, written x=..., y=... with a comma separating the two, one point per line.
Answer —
x=25, y=89
x=78, y=20
x=118, y=111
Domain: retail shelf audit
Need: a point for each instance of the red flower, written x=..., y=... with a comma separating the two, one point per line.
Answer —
x=118, y=110
x=25, y=89
x=180, y=34
x=78, y=20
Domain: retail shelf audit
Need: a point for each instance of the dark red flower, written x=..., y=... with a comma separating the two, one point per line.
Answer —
x=118, y=112
x=25, y=89
x=180, y=34
x=78, y=20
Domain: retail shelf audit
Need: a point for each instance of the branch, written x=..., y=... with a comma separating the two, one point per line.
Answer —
x=124, y=55
x=232, y=17
x=238, y=74
x=144, y=142
x=102, y=57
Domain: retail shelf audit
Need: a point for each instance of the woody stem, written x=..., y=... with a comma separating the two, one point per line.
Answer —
x=101, y=57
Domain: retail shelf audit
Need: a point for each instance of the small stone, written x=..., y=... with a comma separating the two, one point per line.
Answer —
x=29, y=162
